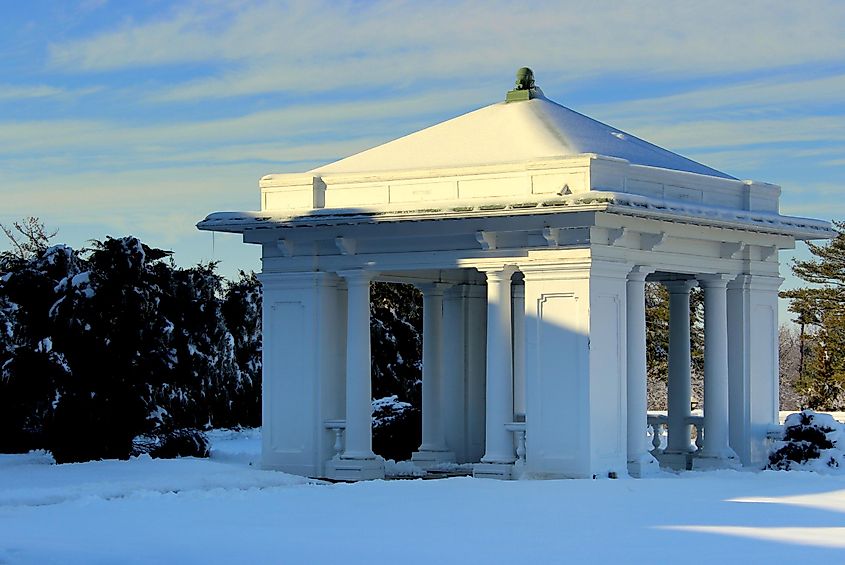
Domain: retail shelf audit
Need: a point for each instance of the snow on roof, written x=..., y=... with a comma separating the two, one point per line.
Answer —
x=512, y=132
x=613, y=202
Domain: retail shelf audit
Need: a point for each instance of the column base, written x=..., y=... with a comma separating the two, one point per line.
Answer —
x=711, y=462
x=501, y=471
x=675, y=461
x=354, y=469
x=643, y=466
x=429, y=459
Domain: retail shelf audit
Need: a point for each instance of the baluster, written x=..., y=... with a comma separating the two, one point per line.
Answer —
x=520, y=447
x=338, y=442
x=655, y=436
x=338, y=427
x=699, y=435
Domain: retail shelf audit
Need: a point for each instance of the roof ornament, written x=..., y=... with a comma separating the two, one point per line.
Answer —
x=524, y=88
x=524, y=79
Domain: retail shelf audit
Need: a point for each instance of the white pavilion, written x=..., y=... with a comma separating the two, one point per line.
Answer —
x=531, y=231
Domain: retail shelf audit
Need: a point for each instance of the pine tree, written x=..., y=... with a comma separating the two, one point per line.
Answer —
x=30, y=367
x=396, y=344
x=241, y=310
x=102, y=347
x=396, y=336
x=110, y=326
x=821, y=379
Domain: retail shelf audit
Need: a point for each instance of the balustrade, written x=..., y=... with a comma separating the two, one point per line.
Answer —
x=658, y=424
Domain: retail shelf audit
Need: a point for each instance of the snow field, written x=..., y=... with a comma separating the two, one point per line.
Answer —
x=225, y=511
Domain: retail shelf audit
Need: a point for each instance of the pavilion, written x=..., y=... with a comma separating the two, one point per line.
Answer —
x=531, y=231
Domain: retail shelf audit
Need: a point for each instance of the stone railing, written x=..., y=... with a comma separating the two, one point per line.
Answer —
x=660, y=422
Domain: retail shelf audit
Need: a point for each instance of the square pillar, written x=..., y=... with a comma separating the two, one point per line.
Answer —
x=464, y=351
x=303, y=316
x=575, y=368
x=752, y=364
x=518, y=324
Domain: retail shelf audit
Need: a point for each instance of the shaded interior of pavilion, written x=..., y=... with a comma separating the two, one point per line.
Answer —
x=667, y=417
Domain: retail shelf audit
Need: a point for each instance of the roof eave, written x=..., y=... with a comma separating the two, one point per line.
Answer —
x=612, y=202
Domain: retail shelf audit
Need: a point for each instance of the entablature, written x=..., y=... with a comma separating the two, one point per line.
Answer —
x=509, y=183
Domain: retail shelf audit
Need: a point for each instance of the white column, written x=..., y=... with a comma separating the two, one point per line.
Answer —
x=680, y=385
x=499, y=448
x=640, y=461
x=739, y=357
x=518, y=313
x=433, y=449
x=716, y=439
x=359, y=402
x=357, y=462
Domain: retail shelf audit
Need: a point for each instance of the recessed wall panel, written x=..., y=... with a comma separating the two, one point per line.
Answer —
x=288, y=386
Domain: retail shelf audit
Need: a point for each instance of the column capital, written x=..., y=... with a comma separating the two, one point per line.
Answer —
x=747, y=281
x=433, y=288
x=679, y=286
x=740, y=282
x=357, y=276
x=640, y=272
x=718, y=280
x=505, y=272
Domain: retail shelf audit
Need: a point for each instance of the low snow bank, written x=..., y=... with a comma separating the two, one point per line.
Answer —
x=38, y=482
x=784, y=414
x=236, y=446
x=34, y=479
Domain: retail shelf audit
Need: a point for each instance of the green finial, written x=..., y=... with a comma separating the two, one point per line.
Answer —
x=524, y=79
x=524, y=89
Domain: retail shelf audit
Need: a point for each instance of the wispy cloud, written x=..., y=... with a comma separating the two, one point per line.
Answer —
x=729, y=133
x=26, y=92
x=746, y=99
x=311, y=46
x=297, y=132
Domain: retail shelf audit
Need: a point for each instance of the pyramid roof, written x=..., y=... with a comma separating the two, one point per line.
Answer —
x=510, y=132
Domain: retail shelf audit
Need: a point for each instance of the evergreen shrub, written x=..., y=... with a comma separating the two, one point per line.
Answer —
x=810, y=439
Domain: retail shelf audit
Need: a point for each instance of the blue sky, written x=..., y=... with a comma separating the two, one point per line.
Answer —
x=142, y=117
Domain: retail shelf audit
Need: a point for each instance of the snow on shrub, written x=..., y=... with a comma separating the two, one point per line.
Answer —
x=396, y=428
x=186, y=442
x=387, y=410
x=102, y=345
x=812, y=442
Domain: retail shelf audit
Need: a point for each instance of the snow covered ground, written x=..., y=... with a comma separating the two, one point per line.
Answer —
x=225, y=510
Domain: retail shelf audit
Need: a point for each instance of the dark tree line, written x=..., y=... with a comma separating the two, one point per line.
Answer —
x=103, y=345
